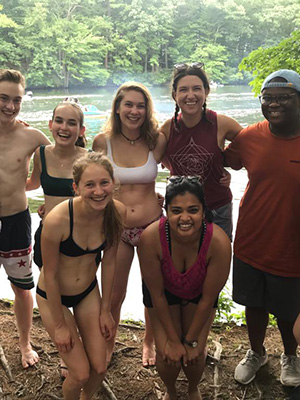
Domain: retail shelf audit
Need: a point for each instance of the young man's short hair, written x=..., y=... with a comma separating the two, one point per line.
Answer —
x=12, y=75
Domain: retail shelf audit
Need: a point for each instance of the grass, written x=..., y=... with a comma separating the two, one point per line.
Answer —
x=34, y=204
x=162, y=176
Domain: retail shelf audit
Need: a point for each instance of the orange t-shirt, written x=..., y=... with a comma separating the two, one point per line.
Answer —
x=268, y=228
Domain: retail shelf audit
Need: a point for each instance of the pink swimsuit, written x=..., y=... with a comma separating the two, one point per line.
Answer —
x=187, y=285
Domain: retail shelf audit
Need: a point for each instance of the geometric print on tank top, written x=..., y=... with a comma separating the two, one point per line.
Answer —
x=193, y=159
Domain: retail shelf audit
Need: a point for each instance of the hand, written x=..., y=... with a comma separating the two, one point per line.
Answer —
x=160, y=199
x=63, y=339
x=226, y=179
x=107, y=325
x=192, y=355
x=174, y=352
x=41, y=211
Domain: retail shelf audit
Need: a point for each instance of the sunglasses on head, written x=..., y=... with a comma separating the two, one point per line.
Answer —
x=176, y=179
x=183, y=66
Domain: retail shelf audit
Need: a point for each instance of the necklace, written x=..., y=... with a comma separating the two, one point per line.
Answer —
x=132, y=141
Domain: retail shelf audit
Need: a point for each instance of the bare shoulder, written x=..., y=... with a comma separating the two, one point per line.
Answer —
x=220, y=242
x=99, y=143
x=160, y=147
x=57, y=220
x=165, y=128
x=33, y=132
x=150, y=237
x=228, y=127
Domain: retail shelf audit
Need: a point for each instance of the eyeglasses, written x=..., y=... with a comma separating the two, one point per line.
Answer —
x=183, y=67
x=177, y=179
x=281, y=99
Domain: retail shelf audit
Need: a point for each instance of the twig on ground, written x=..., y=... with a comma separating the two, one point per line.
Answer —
x=217, y=356
x=52, y=396
x=4, y=364
x=108, y=390
x=132, y=326
x=245, y=393
x=42, y=383
x=260, y=393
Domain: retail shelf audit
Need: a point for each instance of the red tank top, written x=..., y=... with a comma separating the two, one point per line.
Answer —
x=187, y=285
x=195, y=151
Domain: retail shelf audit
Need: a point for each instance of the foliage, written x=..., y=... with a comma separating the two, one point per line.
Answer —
x=62, y=43
x=262, y=62
x=227, y=313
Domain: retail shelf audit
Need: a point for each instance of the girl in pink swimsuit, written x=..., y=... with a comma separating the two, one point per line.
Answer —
x=185, y=261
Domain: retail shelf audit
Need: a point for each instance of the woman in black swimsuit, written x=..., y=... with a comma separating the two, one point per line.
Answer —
x=74, y=234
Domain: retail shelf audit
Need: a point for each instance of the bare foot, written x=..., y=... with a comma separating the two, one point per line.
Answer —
x=195, y=395
x=63, y=369
x=29, y=356
x=149, y=354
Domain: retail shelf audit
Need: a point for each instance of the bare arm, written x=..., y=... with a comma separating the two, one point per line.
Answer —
x=160, y=147
x=150, y=262
x=108, y=267
x=217, y=273
x=99, y=143
x=34, y=181
x=228, y=128
x=52, y=235
x=165, y=129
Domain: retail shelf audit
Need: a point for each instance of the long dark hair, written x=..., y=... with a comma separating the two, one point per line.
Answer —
x=179, y=185
x=181, y=73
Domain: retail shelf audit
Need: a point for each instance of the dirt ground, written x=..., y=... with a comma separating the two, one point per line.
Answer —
x=127, y=378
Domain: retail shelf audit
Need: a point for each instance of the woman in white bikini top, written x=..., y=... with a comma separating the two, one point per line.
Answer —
x=133, y=144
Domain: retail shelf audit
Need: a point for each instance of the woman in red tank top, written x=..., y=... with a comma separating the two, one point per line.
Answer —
x=185, y=262
x=196, y=138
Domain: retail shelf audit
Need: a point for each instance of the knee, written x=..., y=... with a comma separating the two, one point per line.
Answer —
x=99, y=369
x=21, y=293
x=79, y=378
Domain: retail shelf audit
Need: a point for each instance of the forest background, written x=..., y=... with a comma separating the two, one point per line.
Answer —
x=67, y=43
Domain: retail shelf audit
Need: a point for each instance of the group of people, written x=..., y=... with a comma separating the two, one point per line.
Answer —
x=101, y=205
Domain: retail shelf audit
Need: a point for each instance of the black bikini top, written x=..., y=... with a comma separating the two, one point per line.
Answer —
x=53, y=186
x=69, y=248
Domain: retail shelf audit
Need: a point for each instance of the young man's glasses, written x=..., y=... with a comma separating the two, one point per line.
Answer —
x=183, y=67
x=281, y=99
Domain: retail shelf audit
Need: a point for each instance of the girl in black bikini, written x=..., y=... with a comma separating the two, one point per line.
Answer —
x=74, y=234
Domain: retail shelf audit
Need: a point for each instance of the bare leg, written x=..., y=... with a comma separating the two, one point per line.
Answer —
x=288, y=339
x=168, y=375
x=23, y=307
x=87, y=315
x=92, y=385
x=124, y=260
x=257, y=322
x=296, y=329
x=76, y=359
x=194, y=372
x=149, y=353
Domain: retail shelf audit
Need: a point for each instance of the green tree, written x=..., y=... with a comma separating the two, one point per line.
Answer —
x=262, y=62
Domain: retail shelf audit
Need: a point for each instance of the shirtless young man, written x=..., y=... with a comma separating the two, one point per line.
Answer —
x=18, y=141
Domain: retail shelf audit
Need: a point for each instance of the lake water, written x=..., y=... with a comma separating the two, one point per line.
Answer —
x=235, y=101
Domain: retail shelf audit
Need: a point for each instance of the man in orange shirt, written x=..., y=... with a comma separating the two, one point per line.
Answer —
x=266, y=265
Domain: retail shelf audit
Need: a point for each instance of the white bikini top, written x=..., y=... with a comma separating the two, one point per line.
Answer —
x=146, y=173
